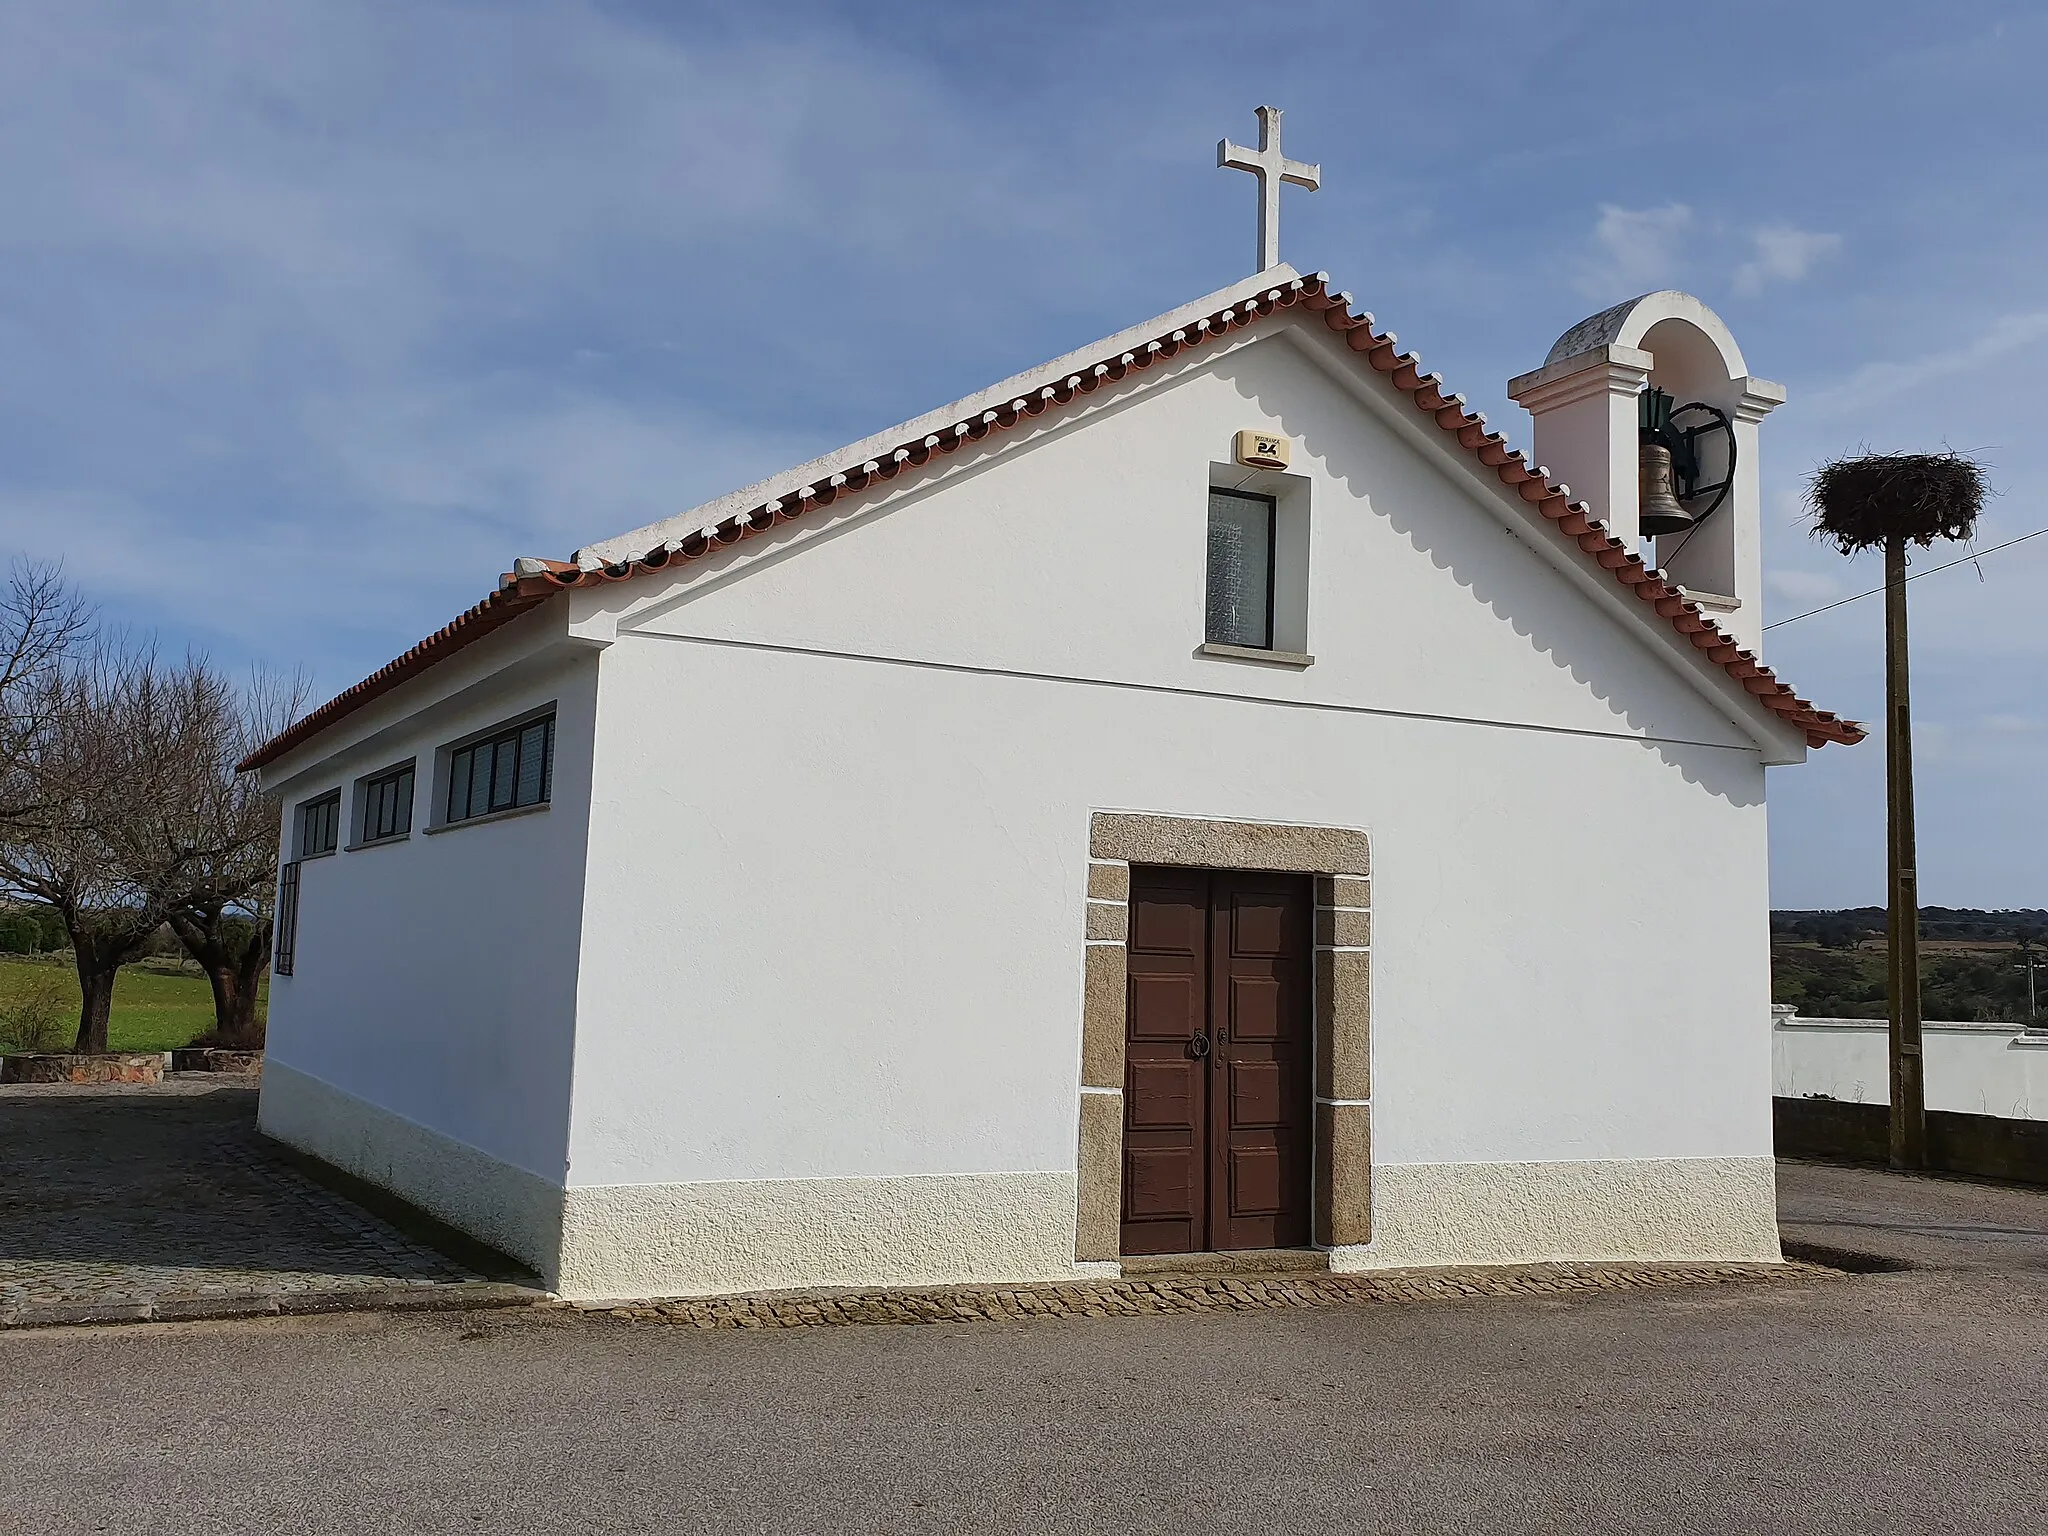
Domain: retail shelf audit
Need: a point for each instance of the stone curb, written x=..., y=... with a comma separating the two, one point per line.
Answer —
x=1170, y=1294
x=1150, y=1296
x=188, y=1309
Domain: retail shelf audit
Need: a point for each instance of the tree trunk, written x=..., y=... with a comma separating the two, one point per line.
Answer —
x=1908, y=1079
x=101, y=944
x=96, y=988
x=234, y=964
x=231, y=1009
x=234, y=999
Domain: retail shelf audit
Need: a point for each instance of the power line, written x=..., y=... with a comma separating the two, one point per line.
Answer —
x=1965, y=560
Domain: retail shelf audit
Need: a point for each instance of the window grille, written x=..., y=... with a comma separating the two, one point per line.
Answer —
x=285, y=938
x=1240, y=596
x=513, y=768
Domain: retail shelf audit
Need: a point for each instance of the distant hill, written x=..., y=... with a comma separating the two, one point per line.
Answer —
x=1832, y=964
x=1850, y=926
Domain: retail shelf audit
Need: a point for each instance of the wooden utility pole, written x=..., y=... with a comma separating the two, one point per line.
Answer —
x=1908, y=1078
x=1892, y=500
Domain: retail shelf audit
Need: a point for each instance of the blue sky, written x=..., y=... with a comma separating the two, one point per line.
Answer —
x=313, y=313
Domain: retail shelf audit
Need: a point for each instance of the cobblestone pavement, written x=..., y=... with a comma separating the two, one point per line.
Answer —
x=129, y=1202
x=1189, y=1293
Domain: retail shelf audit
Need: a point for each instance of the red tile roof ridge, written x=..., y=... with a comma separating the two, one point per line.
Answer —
x=1027, y=396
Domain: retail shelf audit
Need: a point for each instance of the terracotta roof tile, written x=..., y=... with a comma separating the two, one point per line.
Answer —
x=536, y=581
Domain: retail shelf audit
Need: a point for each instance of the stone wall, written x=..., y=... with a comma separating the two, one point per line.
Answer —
x=1984, y=1146
x=66, y=1067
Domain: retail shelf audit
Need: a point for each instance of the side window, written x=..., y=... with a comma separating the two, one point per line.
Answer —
x=1240, y=596
x=384, y=805
x=505, y=771
x=320, y=825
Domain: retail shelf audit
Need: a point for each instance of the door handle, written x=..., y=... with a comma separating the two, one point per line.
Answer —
x=1198, y=1047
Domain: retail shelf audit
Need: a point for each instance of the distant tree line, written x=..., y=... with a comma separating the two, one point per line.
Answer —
x=31, y=930
x=1850, y=926
x=121, y=813
x=1984, y=985
x=1833, y=964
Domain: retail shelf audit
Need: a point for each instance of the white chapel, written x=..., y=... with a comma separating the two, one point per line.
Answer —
x=1208, y=792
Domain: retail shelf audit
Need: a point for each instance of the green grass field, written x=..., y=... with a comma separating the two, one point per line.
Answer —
x=154, y=1010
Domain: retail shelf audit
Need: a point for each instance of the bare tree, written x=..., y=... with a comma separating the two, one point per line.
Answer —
x=214, y=861
x=120, y=806
x=42, y=621
x=90, y=763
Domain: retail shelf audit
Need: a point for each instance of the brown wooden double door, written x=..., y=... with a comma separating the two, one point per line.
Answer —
x=1219, y=1062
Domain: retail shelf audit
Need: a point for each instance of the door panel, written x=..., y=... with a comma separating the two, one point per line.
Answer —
x=1256, y=1089
x=1219, y=1059
x=1255, y=1007
x=1173, y=916
x=1259, y=918
x=1160, y=1187
x=1260, y=964
x=1163, y=1007
x=1255, y=1183
x=1166, y=1086
x=1165, y=1095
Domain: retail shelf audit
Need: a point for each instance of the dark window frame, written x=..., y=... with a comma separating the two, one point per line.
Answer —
x=1272, y=506
x=372, y=805
x=510, y=768
x=318, y=826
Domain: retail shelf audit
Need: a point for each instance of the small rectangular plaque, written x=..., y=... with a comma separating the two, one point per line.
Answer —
x=1264, y=450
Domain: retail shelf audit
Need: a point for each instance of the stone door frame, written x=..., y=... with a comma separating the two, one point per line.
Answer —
x=1340, y=860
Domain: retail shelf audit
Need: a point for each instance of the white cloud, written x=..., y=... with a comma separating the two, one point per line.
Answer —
x=1639, y=249
x=364, y=301
x=1636, y=249
x=1875, y=382
x=1783, y=255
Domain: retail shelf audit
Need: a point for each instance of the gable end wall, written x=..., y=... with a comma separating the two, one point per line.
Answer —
x=831, y=1001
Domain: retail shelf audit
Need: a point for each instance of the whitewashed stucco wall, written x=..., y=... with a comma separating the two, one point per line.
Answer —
x=1977, y=1069
x=866, y=959
x=424, y=1038
x=840, y=813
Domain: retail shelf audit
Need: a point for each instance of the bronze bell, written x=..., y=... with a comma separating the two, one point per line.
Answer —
x=1657, y=495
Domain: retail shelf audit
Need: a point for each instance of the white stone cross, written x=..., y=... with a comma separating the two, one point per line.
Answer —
x=1272, y=168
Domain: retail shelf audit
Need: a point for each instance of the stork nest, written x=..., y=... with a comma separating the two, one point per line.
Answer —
x=1865, y=503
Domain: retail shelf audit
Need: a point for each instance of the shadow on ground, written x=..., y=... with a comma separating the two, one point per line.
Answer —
x=1868, y=1220
x=114, y=1194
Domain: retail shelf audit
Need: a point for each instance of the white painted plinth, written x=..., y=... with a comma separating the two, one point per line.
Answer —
x=515, y=1211
x=1428, y=1214
x=785, y=1234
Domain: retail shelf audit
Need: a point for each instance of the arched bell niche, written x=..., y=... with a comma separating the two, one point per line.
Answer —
x=1585, y=402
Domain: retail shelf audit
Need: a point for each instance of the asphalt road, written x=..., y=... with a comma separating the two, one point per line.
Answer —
x=1905, y=1401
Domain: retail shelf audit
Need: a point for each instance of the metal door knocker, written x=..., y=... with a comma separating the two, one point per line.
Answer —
x=1198, y=1047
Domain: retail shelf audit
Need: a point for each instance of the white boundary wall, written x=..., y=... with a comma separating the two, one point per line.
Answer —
x=1977, y=1069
